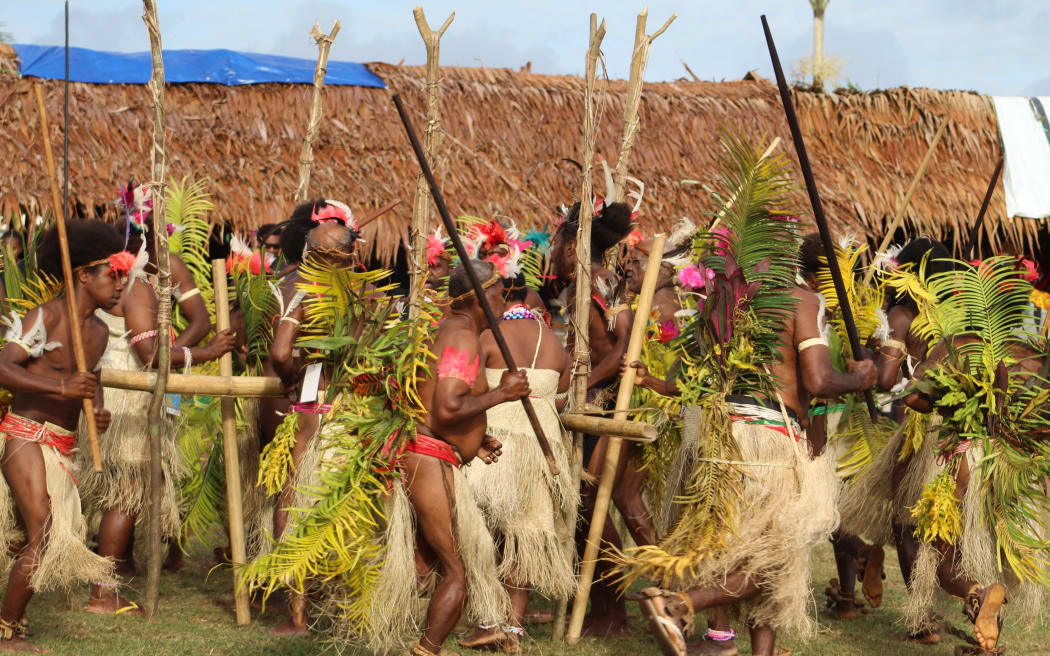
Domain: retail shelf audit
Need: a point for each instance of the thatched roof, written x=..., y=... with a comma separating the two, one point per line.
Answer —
x=509, y=138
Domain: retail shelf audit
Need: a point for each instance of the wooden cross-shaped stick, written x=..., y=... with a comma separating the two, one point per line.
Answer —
x=306, y=157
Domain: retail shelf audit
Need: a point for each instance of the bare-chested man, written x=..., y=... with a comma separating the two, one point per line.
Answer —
x=805, y=371
x=452, y=432
x=37, y=364
x=608, y=327
x=327, y=230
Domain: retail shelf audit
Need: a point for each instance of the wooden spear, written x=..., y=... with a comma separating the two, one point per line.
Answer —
x=643, y=43
x=432, y=138
x=581, y=318
x=67, y=279
x=479, y=291
x=898, y=218
x=971, y=243
x=612, y=451
x=306, y=156
x=160, y=247
x=234, y=505
x=818, y=209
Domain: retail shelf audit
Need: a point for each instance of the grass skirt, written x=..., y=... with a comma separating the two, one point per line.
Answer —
x=397, y=603
x=785, y=510
x=976, y=559
x=123, y=483
x=66, y=560
x=530, y=512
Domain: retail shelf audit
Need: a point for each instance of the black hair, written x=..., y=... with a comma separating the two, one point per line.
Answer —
x=516, y=289
x=89, y=240
x=293, y=231
x=459, y=279
x=267, y=230
x=607, y=229
x=13, y=234
x=809, y=254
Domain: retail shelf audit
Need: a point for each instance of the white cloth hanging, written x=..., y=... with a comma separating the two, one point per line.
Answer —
x=1026, y=148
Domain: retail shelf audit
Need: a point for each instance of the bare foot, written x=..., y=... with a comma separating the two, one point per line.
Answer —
x=289, y=628
x=871, y=583
x=17, y=644
x=112, y=604
x=606, y=627
x=712, y=648
x=482, y=638
x=929, y=637
x=987, y=623
x=173, y=562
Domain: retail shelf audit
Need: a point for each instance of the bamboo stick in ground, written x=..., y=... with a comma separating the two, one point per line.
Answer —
x=234, y=505
x=67, y=279
x=581, y=340
x=643, y=43
x=306, y=156
x=432, y=138
x=612, y=452
x=898, y=218
x=160, y=241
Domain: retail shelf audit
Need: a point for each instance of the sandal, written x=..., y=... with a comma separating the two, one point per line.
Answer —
x=669, y=635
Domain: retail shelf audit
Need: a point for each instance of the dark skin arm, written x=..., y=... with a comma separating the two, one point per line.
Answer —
x=281, y=352
x=140, y=315
x=193, y=308
x=563, y=383
x=818, y=375
x=620, y=334
x=453, y=402
x=662, y=386
x=15, y=377
x=892, y=357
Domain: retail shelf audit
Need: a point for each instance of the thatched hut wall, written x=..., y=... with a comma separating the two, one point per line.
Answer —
x=509, y=140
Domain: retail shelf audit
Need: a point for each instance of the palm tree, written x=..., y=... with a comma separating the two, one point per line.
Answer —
x=818, y=40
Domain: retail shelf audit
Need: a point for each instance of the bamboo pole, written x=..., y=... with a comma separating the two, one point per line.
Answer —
x=643, y=43
x=634, y=431
x=234, y=505
x=306, y=156
x=612, y=451
x=581, y=318
x=238, y=386
x=67, y=279
x=432, y=138
x=378, y=213
x=160, y=237
x=898, y=218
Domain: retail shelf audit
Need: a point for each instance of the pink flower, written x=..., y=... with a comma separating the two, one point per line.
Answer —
x=1031, y=272
x=435, y=247
x=634, y=238
x=171, y=229
x=668, y=331
x=695, y=277
x=519, y=244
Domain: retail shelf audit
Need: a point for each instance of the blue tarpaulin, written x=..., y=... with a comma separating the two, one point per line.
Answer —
x=210, y=66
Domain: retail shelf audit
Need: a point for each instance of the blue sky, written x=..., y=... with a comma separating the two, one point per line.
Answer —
x=991, y=46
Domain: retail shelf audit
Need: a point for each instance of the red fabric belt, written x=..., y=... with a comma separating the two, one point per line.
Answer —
x=17, y=426
x=425, y=445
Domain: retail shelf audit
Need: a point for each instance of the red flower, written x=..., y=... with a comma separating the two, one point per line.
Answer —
x=121, y=263
x=494, y=234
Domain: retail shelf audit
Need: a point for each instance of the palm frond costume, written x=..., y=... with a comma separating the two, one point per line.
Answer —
x=990, y=390
x=753, y=500
x=350, y=535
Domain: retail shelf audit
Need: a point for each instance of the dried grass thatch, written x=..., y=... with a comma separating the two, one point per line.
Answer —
x=511, y=138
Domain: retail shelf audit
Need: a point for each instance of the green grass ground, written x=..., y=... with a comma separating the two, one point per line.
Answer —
x=196, y=618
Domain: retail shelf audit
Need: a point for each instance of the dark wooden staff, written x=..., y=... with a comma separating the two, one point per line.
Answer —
x=818, y=209
x=972, y=242
x=479, y=291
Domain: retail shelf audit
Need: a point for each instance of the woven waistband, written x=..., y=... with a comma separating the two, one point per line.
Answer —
x=47, y=434
x=753, y=411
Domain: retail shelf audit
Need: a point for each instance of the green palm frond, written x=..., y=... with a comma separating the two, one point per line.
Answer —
x=187, y=205
x=866, y=440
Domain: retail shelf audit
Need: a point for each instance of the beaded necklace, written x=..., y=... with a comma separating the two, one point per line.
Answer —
x=519, y=311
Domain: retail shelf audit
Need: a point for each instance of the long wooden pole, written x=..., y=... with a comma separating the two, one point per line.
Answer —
x=581, y=368
x=479, y=291
x=971, y=243
x=160, y=249
x=643, y=43
x=67, y=279
x=306, y=155
x=612, y=450
x=898, y=218
x=818, y=209
x=234, y=504
x=432, y=138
